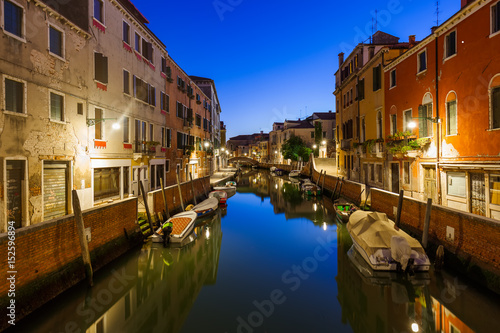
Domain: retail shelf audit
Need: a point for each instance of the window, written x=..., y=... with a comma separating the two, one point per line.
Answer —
x=394, y=126
x=198, y=120
x=380, y=133
x=106, y=183
x=100, y=68
x=451, y=44
x=495, y=107
x=56, y=107
x=495, y=17
x=495, y=189
x=180, y=110
x=451, y=117
x=137, y=42
x=147, y=50
x=14, y=96
x=99, y=10
x=424, y=121
x=312, y=135
x=169, y=138
x=182, y=140
x=164, y=102
x=56, y=44
x=126, y=135
x=151, y=133
x=407, y=119
x=79, y=108
x=379, y=172
x=393, y=78
x=126, y=82
x=13, y=18
x=163, y=137
x=98, y=124
x=377, y=78
x=205, y=125
x=167, y=166
x=55, y=189
x=152, y=95
x=363, y=130
x=163, y=65
x=361, y=90
x=422, y=61
x=126, y=32
x=456, y=184
x=139, y=135
x=406, y=172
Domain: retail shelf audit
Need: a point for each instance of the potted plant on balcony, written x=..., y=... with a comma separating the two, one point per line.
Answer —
x=150, y=146
x=188, y=150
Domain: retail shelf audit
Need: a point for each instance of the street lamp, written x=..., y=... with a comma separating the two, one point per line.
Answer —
x=323, y=142
x=94, y=121
x=315, y=146
x=413, y=124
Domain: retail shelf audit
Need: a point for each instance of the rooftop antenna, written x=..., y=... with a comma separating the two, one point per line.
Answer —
x=437, y=12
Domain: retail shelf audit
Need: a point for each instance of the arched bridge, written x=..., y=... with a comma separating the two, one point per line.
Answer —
x=243, y=160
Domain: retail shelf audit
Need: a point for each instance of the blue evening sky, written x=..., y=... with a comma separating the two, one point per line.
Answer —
x=273, y=60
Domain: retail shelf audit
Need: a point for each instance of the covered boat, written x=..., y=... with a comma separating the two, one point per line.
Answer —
x=182, y=225
x=206, y=206
x=383, y=246
x=229, y=188
x=220, y=195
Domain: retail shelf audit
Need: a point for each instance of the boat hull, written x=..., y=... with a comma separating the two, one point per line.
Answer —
x=206, y=207
x=182, y=226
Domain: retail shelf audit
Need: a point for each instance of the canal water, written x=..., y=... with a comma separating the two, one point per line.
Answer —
x=271, y=261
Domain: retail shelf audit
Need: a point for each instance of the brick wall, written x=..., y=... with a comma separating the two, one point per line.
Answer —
x=48, y=254
x=476, y=239
x=155, y=198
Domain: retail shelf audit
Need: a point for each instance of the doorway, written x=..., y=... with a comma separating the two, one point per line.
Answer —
x=478, y=194
x=15, y=191
x=138, y=174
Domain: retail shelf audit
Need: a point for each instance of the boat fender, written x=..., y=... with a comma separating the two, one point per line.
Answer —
x=189, y=207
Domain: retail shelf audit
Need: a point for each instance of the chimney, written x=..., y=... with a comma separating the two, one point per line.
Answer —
x=371, y=51
x=411, y=40
x=433, y=29
x=464, y=3
x=341, y=59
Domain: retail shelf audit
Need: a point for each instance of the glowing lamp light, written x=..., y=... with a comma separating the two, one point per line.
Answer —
x=412, y=124
x=206, y=144
x=116, y=126
x=315, y=146
x=414, y=327
x=323, y=142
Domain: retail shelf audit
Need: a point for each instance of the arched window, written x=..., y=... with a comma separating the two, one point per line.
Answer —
x=425, y=116
x=451, y=113
x=495, y=102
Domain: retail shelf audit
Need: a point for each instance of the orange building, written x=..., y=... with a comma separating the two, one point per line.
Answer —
x=449, y=86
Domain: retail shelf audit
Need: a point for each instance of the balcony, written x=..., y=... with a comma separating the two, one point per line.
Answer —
x=345, y=144
x=145, y=147
x=188, y=123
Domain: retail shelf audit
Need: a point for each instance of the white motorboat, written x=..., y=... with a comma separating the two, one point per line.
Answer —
x=182, y=225
x=206, y=207
x=384, y=247
x=220, y=195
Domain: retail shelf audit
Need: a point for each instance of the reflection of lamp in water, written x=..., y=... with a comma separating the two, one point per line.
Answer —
x=414, y=327
x=324, y=226
x=207, y=233
x=315, y=207
x=276, y=186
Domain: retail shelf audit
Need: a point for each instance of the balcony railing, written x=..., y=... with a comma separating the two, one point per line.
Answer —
x=345, y=144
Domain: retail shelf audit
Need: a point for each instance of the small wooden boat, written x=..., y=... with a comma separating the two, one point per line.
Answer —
x=206, y=207
x=229, y=188
x=343, y=210
x=294, y=173
x=272, y=168
x=220, y=195
x=384, y=247
x=309, y=188
x=231, y=183
x=182, y=225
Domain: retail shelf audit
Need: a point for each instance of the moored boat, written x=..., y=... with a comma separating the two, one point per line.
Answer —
x=206, y=207
x=343, y=210
x=220, y=195
x=309, y=188
x=182, y=225
x=294, y=173
x=383, y=246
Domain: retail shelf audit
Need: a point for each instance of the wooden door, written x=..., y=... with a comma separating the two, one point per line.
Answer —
x=478, y=195
x=395, y=177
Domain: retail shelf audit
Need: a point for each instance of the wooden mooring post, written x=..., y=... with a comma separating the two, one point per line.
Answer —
x=335, y=189
x=180, y=191
x=317, y=180
x=323, y=183
x=83, y=240
x=145, y=199
x=400, y=205
x=427, y=220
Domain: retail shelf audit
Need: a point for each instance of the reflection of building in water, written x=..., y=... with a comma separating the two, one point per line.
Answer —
x=148, y=292
x=393, y=304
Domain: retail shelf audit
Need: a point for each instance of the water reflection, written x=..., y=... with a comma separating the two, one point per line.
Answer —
x=207, y=286
x=152, y=291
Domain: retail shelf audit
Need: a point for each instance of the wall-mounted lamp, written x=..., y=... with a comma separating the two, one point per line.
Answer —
x=413, y=124
x=323, y=142
x=93, y=121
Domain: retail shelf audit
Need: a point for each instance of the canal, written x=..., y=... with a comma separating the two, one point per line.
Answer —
x=271, y=261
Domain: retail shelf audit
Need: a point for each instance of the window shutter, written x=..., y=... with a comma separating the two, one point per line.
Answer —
x=422, y=122
x=101, y=68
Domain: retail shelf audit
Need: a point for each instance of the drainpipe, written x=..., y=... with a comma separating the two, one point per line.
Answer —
x=358, y=130
x=438, y=125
